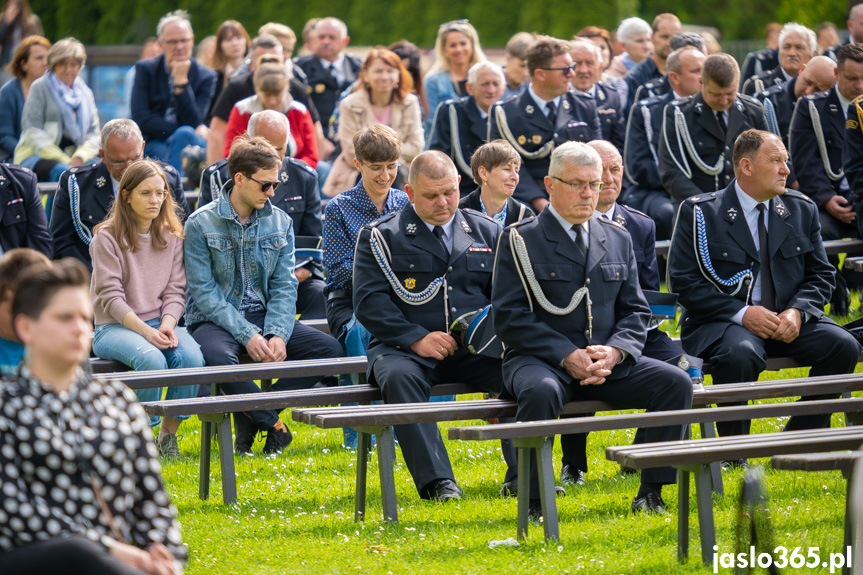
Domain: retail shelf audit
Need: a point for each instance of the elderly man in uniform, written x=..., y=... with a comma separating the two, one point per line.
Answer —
x=664, y=27
x=566, y=344
x=547, y=114
x=855, y=30
x=815, y=144
x=84, y=194
x=587, y=59
x=172, y=93
x=461, y=126
x=415, y=272
x=657, y=345
x=297, y=195
x=797, y=45
x=698, y=132
x=739, y=311
x=643, y=132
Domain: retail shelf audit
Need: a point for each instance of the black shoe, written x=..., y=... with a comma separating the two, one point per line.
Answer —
x=735, y=464
x=628, y=470
x=245, y=431
x=534, y=512
x=569, y=475
x=442, y=490
x=510, y=489
x=278, y=438
x=650, y=502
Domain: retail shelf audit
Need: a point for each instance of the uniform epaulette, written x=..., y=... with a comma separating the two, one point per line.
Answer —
x=796, y=194
x=474, y=212
x=521, y=222
x=633, y=210
x=611, y=223
x=701, y=198
x=383, y=219
x=818, y=95
x=858, y=100
x=744, y=99
x=17, y=168
x=301, y=164
x=83, y=168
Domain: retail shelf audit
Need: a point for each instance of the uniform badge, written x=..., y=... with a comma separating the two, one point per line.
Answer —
x=565, y=105
x=834, y=109
x=739, y=105
x=851, y=125
x=411, y=229
x=283, y=177
x=698, y=107
x=319, y=88
x=522, y=140
x=683, y=363
x=309, y=90
x=529, y=109
x=2, y=180
x=536, y=140
x=465, y=226
x=732, y=214
x=410, y=283
x=100, y=182
x=620, y=219
x=600, y=95
x=781, y=211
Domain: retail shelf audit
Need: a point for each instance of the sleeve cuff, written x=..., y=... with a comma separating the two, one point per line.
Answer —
x=738, y=317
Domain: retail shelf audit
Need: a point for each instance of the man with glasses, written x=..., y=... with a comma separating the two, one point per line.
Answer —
x=172, y=93
x=568, y=306
x=242, y=294
x=546, y=115
x=85, y=193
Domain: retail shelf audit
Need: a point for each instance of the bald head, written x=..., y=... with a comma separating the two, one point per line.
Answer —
x=612, y=173
x=271, y=126
x=818, y=74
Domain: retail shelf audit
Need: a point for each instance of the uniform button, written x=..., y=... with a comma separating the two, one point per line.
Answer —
x=587, y=333
x=18, y=217
x=587, y=282
x=411, y=266
x=725, y=254
x=798, y=248
x=452, y=309
x=449, y=288
x=554, y=275
x=91, y=217
x=236, y=292
x=483, y=265
x=449, y=269
x=747, y=282
x=555, y=135
x=712, y=195
x=617, y=274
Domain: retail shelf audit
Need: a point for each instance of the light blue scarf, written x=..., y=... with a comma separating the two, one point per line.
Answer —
x=73, y=105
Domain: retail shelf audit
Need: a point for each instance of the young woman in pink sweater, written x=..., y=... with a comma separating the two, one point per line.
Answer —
x=139, y=288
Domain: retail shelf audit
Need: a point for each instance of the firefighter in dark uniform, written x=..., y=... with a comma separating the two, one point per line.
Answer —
x=661, y=85
x=415, y=273
x=533, y=127
x=297, y=195
x=797, y=45
x=698, y=132
x=587, y=58
x=85, y=193
x=758, y=62
x=23, y=218
x=852, y=155
x=460, y=126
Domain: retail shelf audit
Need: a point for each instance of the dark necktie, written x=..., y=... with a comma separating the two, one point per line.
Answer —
x=720, y=117
x=579, y=239
x=552, y=113
x=332, y=71
x=768, y=293
x=438, y=233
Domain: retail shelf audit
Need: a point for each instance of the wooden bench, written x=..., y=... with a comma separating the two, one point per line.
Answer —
x=694, y=456
x=842, y=461
x=539, y=435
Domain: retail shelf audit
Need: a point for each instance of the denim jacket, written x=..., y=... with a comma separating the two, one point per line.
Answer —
x=213, y=235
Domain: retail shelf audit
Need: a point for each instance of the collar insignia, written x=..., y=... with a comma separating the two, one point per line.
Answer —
x=465, y=226
x=781, y=211
x=536, y=140
x=529, y=109
x=732, y=214
x=600, y=95
x=699, y=107
x=100, y=182
x=283, y=177
x=683, y=363
x=411, y=229
x=2, y=180
x=739, y=105
x=620, y=219
x=834, y=108
x=565, y=105
x=522, y=140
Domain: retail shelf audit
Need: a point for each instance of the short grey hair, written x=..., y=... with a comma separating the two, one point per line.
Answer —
x=685, y=39
x=573, y=154
x=332, y=21
x=607, y=146
x=123, y=129
x=855, y=11
x=801, y=30
x=172, y=18
x=674, y=61
x=268, y=118
x=632, y=27
x=587, y=44
x=66, y=49
x=432, y=164
x=483, y=66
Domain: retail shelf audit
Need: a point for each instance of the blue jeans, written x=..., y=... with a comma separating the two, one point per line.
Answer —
x=171, y=150
x=114, y=341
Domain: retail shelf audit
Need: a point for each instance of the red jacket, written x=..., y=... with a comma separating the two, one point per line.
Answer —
x=302, y=144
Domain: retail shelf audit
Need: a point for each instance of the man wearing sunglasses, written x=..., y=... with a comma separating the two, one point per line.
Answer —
x=546, y=115
x=239, y=255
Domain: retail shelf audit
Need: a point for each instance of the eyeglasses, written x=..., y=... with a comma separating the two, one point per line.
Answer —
x=567, y=70
x=393, y=168
x=121, y=163
x=149, y=194
x=265, y=186
x=579, y=187
x=177, y=41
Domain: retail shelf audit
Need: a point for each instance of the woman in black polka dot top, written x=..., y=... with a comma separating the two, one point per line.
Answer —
x=80, y=484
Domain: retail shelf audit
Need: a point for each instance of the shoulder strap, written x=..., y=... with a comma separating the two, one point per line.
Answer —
x=75, y=209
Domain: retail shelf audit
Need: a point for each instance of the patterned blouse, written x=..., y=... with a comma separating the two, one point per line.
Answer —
x=53, y=443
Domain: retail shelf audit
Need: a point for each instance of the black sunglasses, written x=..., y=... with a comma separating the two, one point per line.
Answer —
x=265, y=186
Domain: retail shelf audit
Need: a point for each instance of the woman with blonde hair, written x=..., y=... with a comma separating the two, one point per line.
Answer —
x=138, y=288
x=383, y=95
x=456, y=50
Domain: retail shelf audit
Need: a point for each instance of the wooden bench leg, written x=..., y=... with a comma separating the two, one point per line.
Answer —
x=850, y=534
x=386, y=463
x=364, y=442
x=708, y=430
x=546, y=492
x=204, y=472
x=704, y=497
x=226, y=459
x=523, y=456
x=682, y=515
